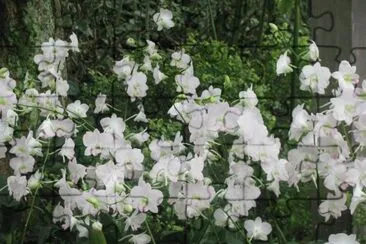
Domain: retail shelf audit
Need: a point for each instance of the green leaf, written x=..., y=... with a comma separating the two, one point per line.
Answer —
x=84, y=27
x=74, y=89
x=285, y=5
x=233, y=237
x=96, y=237
x=44, y=233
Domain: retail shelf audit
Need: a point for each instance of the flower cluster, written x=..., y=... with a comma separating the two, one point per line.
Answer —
x=133, y=175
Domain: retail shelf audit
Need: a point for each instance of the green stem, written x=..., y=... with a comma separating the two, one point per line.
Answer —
x=3, y=188
x=150, y=233
x=349, y=140
x=261, y=26
x=212, y=20
x=35, y=196
x=202, y=235
x=280, y=231
x=295, y=45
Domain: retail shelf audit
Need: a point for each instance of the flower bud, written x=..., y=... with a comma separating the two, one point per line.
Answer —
x=273, y=27
x=128, y=209
x=97, y=226
x=33, y=184
x=227, y=81
x=131, y=42
x=93, y=201
x=4, y=72
x=119, y=188
x=313, y=52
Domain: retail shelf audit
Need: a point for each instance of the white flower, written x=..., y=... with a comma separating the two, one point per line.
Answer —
x=67, y=149
x=147, y=66
x=64, y=128
x=97, y=142
x=62, y=87
x=17, y=186
x=124, y=67
x=137, y=86
x=71, y=196
x=251, y=125
x=61, y=214
x=46, y=129
x=77, y=171
x=158, y=75
x=74, y=42
x=134, y=221
x=163, y=19
x=140, y=239
x=51, y=104
x=144, y=198
x=7, y=98
x=33, y=181
x=190, y=199
x=166, y=168
x=314, y=78
x=188, y=83
x=141, y=137
x=195, y=167
x=283, y=64
x=152, y=50
x=161, y=148
x=242, y=196
x=346, y=75
x=11, y=117
x=358, y=196
x=313, y=51
x=301, y=123
x=113, y=125
x=333, y=206
x=111, y=175
x=250, y=98
x=211, y=92
x=344, y=107
x=180, y=59
x=6, y=132
x=257, y=229
x=77, y=109
x=24, y=147
x=220, y=217
x=360, y=166
x=130, y=158
x=342, y=238
x=141, y=116
x=22, y=165
x=100, y=105
x=275, y=169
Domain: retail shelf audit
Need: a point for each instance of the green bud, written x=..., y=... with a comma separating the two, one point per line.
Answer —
x=181, y=97
x=273, y=27
x=119, y=188
x=127, y=209
x=96, y=235
x=3, y=72
x=93, y=201
x=97, y=226
x=131, y=42
x=227, y=81
x=34, y=184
